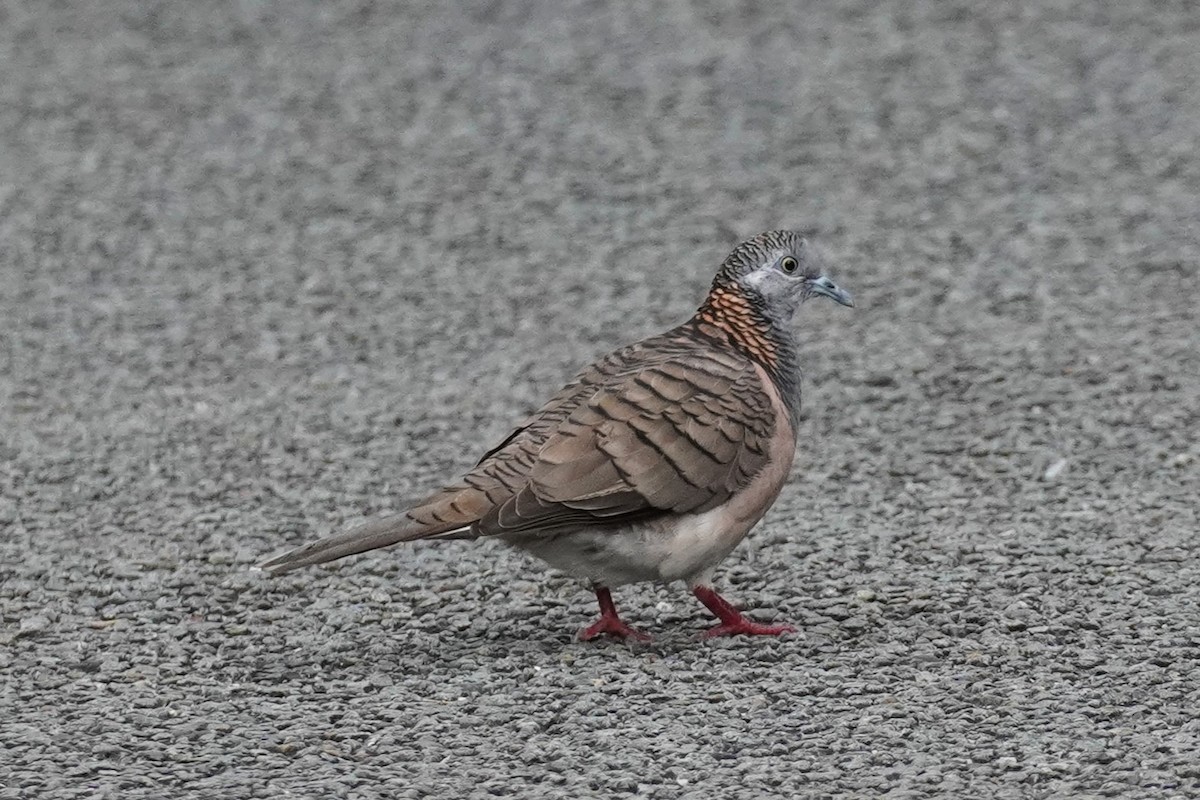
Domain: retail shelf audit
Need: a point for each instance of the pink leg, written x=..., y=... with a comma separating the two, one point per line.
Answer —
x=732, y=621
x=609, y=622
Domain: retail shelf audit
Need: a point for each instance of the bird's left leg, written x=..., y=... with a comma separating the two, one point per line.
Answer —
x=609, y=622
x=733, y=622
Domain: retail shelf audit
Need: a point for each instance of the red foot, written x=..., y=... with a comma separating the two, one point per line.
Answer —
x=747, y=627
x=733, y=622
x=613, y=627
x=609, y=622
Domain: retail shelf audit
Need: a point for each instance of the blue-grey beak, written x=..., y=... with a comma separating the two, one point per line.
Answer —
x=828, y=288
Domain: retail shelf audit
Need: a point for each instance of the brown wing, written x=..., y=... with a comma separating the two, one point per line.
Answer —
x=668, y=424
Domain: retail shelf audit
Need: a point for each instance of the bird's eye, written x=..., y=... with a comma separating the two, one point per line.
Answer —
x=788, y=265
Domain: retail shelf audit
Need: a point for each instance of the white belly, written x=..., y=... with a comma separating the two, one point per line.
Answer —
x=685, y=548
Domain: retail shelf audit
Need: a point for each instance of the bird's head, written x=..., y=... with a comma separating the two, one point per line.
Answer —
x=780, y=269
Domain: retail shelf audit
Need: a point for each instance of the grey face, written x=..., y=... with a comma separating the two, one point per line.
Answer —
x=787, y=276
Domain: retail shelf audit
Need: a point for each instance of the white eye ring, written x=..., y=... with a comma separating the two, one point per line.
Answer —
x=788, y=265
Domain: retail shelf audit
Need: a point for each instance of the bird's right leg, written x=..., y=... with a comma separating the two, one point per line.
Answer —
x=609, y=622
x=733, y=622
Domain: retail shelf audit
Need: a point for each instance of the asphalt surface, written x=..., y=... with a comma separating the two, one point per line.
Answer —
x=269, y=268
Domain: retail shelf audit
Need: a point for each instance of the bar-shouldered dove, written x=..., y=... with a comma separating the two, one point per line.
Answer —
x=655, y=461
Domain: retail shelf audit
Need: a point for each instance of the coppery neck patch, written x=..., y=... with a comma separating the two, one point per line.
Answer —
x=731, y=311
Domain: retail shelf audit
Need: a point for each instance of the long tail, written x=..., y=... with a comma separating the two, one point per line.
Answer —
x=371, y=535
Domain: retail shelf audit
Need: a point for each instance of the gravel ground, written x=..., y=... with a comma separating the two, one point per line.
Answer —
x=268, y=268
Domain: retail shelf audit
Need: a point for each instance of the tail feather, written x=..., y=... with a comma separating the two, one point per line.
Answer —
x=371, y=535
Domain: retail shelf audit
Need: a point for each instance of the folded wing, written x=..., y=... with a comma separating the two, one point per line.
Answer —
x=641, y=433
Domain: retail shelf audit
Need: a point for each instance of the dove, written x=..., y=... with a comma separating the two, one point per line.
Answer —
x=655, y=461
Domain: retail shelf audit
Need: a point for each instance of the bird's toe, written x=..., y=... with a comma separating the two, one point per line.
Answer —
x=613, y=627
x=746, y=627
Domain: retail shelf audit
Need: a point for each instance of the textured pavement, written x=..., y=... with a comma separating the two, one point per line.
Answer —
x=268, y=268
